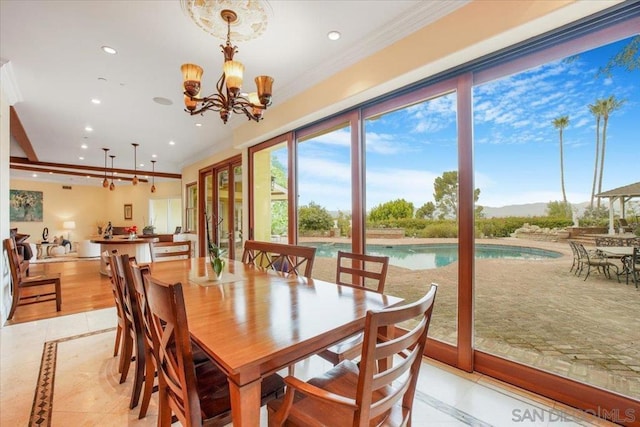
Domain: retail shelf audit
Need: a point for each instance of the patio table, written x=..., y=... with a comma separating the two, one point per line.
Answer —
x=625, y=253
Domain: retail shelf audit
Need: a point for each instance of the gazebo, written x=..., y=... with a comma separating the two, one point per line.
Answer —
x=624, y=194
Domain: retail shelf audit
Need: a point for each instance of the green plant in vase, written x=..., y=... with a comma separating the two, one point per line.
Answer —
x=215, y=252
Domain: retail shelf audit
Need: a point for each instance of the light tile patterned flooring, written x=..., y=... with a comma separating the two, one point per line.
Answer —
x=78, y=385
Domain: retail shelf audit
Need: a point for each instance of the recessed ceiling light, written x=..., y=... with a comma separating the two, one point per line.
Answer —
x=109, y=50
x=198, y=124
x=334, y=35
x=80, y=158
x=141, y=165
x=155, y=155
x=35, y=175
x=84, y=146
x=95, y=101
x=162, y=101
x=173, y=143
x=88, y=128
x=50, y=173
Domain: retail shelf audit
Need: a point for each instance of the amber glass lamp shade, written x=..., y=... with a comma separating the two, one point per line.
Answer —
x=264, y=84
x=190, y=103
x=233, y=72
x=112, y=186
x=191, y=77
x=153, y=188
x=105, y=183
x=254, y=100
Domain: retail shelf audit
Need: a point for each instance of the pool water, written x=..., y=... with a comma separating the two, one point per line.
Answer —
x=421, y=257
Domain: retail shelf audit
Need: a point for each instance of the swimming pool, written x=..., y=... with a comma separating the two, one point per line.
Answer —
x=421, y=257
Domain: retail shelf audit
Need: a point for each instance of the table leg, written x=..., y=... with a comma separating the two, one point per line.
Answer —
x=245, y=403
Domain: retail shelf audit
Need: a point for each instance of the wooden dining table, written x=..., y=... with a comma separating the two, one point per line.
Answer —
x=254, y=322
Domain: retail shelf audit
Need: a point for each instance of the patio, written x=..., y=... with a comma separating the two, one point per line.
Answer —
x=535, y=312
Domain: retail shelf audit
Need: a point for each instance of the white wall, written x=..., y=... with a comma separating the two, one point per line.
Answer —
x=5, y=291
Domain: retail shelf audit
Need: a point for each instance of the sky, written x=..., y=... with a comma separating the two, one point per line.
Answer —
x=516, y=146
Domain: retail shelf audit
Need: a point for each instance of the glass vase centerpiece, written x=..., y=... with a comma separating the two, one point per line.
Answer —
x=217, y=263
x=215, y=252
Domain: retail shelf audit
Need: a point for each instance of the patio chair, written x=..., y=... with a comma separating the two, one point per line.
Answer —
x=576, y=257
x=624, y=226
x=596, y=259
x=632, y=266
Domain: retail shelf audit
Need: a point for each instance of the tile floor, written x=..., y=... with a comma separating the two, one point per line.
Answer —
x=86, y=391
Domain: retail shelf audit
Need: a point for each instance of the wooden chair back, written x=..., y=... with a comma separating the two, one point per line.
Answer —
x=176, y=370
x=369, y=271
x=399, y=380
x=125, y=293
x=173, y=250
x=138, y=273
x=133, y=334
x=280, y=257
x=375, y=392
x=19, y=281
x=14, y=260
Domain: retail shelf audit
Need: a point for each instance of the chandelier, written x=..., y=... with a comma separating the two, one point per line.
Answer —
x=228, y=98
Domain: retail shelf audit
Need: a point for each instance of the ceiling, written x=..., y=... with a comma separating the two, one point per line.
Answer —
x=57, y=66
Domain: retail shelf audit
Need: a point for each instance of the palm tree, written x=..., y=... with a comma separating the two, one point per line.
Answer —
x=609, y=105
x=597, y=110
x=561, y=123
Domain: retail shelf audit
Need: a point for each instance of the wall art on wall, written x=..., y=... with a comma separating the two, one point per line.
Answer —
x=25, y=206
x=128, y=211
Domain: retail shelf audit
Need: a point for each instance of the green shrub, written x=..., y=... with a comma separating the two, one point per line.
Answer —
x=484, y=227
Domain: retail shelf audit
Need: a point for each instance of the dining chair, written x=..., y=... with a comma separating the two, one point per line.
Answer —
x=368, y=271
x=196, y=394
x=280, y=257
x=138, y=272
x=20, y=282
x=369, y=393
x=172, y=250
x=132, y=333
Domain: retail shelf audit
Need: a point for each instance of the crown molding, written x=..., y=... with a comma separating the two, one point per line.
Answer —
x=423, y=14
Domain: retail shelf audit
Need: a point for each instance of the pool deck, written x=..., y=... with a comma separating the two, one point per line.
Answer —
x=533, y=311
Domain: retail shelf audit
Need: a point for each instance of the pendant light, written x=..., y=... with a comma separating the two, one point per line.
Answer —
x=153, y=176
x=105, y=181
x=112, y=186
x=134, y=181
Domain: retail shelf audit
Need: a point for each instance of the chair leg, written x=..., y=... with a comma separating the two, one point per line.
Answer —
x=164, y=411
x=125, y=356
x=149, y=377
x=588, y=271
x=116, y=347
x=139, y=375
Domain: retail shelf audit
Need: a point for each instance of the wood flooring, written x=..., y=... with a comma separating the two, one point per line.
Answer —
x=83, y=289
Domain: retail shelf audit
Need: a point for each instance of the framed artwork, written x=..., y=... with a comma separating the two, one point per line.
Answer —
x=25, y=206
x=178, y=230
x=128, y=211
